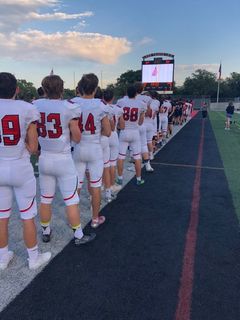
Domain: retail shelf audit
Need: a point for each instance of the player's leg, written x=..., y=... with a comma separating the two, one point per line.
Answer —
x=26, y=200
x=123, y=145
x=47, y=189
x=95, y=172
x=114, y=150
x=150, y=133
x=68, y=185
x=164, y=129
x=106, y=173
x=5, y=212
x=135, y=144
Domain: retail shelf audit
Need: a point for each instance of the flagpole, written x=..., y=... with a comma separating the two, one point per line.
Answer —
x=218, y=90
x=74, y=80
x=219, y=79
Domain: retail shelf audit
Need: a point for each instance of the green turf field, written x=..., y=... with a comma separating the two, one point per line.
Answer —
x=229, y=147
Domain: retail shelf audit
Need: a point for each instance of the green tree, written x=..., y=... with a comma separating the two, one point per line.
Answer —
x=201, y=82
x=27, y=90
x=124, y=80
x=232, y=84
x=69, y=94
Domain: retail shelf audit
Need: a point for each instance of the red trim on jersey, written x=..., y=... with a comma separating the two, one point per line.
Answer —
x=121, y=154
x=73, y=192
x=136, y=154
x=107, y=162
x=113, y=160
x=24, y=210
x=6, y=210
x=47, y=197
x=96, y=180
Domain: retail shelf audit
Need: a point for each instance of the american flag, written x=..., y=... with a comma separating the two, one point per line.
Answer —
x=220, y=71
x=154, y=73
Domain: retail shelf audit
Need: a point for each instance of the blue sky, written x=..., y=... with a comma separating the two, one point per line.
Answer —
x=110, y=37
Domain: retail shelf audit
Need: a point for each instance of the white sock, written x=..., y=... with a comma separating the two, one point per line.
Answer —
x=33, y=253
x=78, y=233
x=139, y=178
x=150, y=154
x=3, y=251
x=120, y=177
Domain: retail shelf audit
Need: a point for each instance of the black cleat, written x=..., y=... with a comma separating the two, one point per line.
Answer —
x=46, y=237
x=85, y=239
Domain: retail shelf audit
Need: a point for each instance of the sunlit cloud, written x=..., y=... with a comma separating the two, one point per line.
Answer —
x=37, y=45
x=20, y=44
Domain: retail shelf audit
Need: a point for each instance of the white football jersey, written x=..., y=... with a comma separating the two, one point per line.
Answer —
x=165, y=108
x=15, y=117
x=132, y=108
x=116, y=112
x=145, y=99
x=154, y=107
x=93, y=111
x=53, y=126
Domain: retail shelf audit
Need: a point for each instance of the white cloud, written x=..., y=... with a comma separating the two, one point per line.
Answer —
x=36, y=45
x=213, y=67
x=58, y=16
x=144, y=41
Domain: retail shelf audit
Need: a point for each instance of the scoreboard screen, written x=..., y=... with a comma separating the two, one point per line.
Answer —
x=158, y=75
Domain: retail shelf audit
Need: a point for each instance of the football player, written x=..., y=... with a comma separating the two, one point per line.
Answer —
x=88, y=153
x=18, y=139
x=133, y=115
x=58, y=125
x=117, y=122
x=146, y=100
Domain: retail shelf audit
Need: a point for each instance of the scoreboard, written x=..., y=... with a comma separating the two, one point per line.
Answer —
x=158, y=73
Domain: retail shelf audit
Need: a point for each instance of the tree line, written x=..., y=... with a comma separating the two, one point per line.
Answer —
x=200, y=83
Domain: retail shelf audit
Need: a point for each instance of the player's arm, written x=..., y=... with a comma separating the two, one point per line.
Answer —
x=112, y=124
x=121, y=123
x=75, y=130
x=106, y=127
x=32, y=138
x=141, y=118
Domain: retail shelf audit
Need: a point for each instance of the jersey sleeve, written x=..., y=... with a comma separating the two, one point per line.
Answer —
x=104, y=112
x=142, y=107
x=32, y=114
x=155, y=104
x=74, y=109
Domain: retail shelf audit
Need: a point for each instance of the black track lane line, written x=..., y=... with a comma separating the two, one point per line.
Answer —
x=216, y=293
x=133, y=268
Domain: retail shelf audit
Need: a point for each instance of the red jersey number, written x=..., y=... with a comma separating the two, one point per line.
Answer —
x=11, y=132
x=89, y=125
x=130, y=114
x=53, y=118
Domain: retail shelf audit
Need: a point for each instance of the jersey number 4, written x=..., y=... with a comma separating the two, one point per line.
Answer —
x=130, y=114
x=51, y=118
x=89, y=125
x=11, y=133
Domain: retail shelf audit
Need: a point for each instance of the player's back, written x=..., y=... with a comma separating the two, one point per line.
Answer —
x=132, y=109
x=165, y=108
x=93, y=111
x=53, y=127
x=15, y=117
